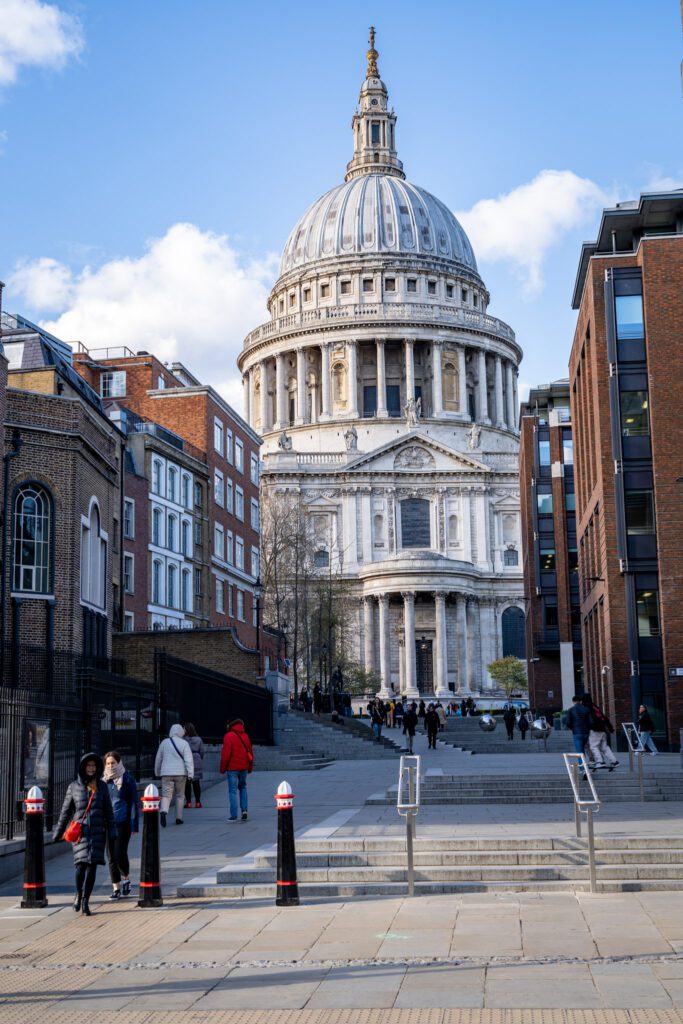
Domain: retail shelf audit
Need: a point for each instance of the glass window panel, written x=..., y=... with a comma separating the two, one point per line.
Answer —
x=570, y=501
x=545, y=504
x=635, y=417
x=648, y=613
x=547, y=559
x=629, y=314
x=640, y=514
x=544, y=453
x=415, y=525
x=567, y=449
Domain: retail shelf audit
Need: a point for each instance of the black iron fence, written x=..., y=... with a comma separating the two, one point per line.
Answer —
x=188, y=692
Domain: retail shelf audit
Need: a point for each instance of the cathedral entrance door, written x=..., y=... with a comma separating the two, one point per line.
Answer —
x=425, y=673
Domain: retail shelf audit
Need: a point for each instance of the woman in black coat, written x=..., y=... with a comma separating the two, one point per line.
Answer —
x=96, y=825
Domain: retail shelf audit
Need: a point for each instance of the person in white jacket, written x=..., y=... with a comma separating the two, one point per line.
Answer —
x=174, y=764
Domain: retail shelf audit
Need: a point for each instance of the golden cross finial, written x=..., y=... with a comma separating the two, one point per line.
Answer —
x=372, y=71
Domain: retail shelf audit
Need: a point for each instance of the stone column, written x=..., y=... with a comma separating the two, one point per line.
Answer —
x=264, y=397
x=499, y=413
x=412, y=691
x=515, y=399
x=472, y=622
x=384, y=662
x=509, y=396
x=381, y=380
x=246, y=384
x=462, y=384
x=442, y=690
x=314, y=400
x=352, y=382
x=280, y=392
x=482, y=392
x=325, y=382
x=368, y=636
x=437, y=380
x=410, y=369
x=463, y=675
x=486, y=625
x=300, y=386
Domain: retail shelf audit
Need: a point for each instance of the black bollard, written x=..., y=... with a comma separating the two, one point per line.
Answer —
x=150, y=864
x=35, y=893
x=287, y=886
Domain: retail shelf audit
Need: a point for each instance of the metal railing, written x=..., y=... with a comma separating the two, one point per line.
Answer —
x=408, y=806
x=577, y=769
x=635, y=747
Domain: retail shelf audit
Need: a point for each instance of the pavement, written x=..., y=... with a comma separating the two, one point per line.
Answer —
x=478, y=958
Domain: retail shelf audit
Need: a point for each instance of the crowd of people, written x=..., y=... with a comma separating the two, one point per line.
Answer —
x=101, y=809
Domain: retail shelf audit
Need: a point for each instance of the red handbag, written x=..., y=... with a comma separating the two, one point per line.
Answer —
x=74, y=830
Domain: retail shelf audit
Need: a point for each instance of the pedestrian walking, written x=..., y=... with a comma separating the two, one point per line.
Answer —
x=173, y=765
x=510, y=718
x=598, y=738
x=378, y=718
x=398, y=714
x=438, y=707
x=646, y=727
x=579, y=721
x=317, y=700
x=194, y=785
x=421, y=712
x=87, y=811
x=237, y=760
x=410, y=724
x=123, y=793
x=523, y=724
x=432, y=726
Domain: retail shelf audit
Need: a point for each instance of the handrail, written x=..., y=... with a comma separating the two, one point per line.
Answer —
x=631, y=731
x=573, y=763
x=408, y=806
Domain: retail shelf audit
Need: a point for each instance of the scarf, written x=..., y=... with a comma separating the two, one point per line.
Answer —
x=115, y=774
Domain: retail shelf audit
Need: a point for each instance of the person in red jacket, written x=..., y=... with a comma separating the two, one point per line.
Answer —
x=237, y=759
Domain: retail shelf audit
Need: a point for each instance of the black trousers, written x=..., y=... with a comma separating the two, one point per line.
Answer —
x=190, y=786
x=117, y=851
x=85, y=879
x=431, y=738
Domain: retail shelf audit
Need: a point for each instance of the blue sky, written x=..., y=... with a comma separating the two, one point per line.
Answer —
x=154, y=156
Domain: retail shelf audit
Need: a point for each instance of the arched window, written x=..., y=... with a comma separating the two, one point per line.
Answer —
x=171, y=583
x=186, y=490
x=93, y=559
x=172, y=484
x=186, y=591
x=172, y=531
x=415, y=525
x=509, y=529
x=156, y=477
x=32, y=537
x=450, y=384
x=378, y=525
x=338, y=375
x=156, y=581
x=452, y=530
x=185, y=532
x=513, y=633
x=157, y=534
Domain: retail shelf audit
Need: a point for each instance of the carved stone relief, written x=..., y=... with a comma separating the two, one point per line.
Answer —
x=414, y=457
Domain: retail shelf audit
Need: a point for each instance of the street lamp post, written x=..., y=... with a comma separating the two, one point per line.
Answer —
x=258, y=591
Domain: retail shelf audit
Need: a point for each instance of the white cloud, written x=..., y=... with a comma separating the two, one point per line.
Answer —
x=189, y=297
x=38, y=34
x=658, y=182
x=521, y=226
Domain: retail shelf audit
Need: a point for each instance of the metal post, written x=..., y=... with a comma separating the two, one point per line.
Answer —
x=630, y=757
x=577, y=812
x=411, y=796
x=591, y=851
x=411, y=865
x=640, y=778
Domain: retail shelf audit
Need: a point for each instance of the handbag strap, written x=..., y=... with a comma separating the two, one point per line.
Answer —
x=87, y=810
x=249, y=752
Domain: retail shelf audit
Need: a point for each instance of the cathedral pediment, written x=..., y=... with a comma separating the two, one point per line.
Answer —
x=416, y=453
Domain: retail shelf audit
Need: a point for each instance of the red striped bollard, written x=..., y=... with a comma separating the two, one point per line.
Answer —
x=150, y=864
x=35, y=892
x=287, y=886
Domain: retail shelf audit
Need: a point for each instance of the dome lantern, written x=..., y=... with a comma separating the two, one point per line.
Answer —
x=374, y=126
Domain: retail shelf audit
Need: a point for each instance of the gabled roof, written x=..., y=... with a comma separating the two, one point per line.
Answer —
x=415, y=438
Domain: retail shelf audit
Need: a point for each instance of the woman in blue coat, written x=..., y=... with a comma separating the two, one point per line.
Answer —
x=123, y=793
x=87, y=801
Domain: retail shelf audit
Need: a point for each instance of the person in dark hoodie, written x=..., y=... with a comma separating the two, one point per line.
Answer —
x=432, y=726
x=579, y=721
x=87, y=800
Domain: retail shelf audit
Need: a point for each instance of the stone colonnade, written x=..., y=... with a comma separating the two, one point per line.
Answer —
x=269, y=377
x=475, y=646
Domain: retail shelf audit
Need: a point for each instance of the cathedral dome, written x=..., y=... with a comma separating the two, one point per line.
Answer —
x=377, y=214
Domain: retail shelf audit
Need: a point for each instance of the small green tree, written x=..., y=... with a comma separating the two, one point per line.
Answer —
x=358, y=680
x=510, y=675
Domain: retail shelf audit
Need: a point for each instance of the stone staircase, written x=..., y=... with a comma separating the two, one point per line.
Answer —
x=356, y=867
x=550, y=788
x=467, y=734
x=310, y=743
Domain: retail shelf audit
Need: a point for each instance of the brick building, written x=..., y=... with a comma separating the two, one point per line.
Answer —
x=549, y=547
x=626, y=391
x=61, y=566
x=172, y=399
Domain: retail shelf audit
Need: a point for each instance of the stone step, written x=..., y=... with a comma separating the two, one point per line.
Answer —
x=466, y=858
x=397, y=844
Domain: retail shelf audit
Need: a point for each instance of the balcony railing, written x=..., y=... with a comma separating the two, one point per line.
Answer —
x=399, y=312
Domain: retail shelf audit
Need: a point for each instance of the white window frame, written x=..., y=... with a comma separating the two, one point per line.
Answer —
x=130, y=588
x=220, y=597
x=255, y=519
x=239, y=553
x=128, y=621
x=94, y=582
x=157, y=477
x=219, y=541
x=239, y=503
x=218, y=435
x=240, y=605
x=230, y=503
x=229, y=557
x=230, y=602
x=239, y=455
x=112, y=384
x=129, y=507
x=228, y=446
x=219, y=488
x=255, y=562
x=254, y=469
